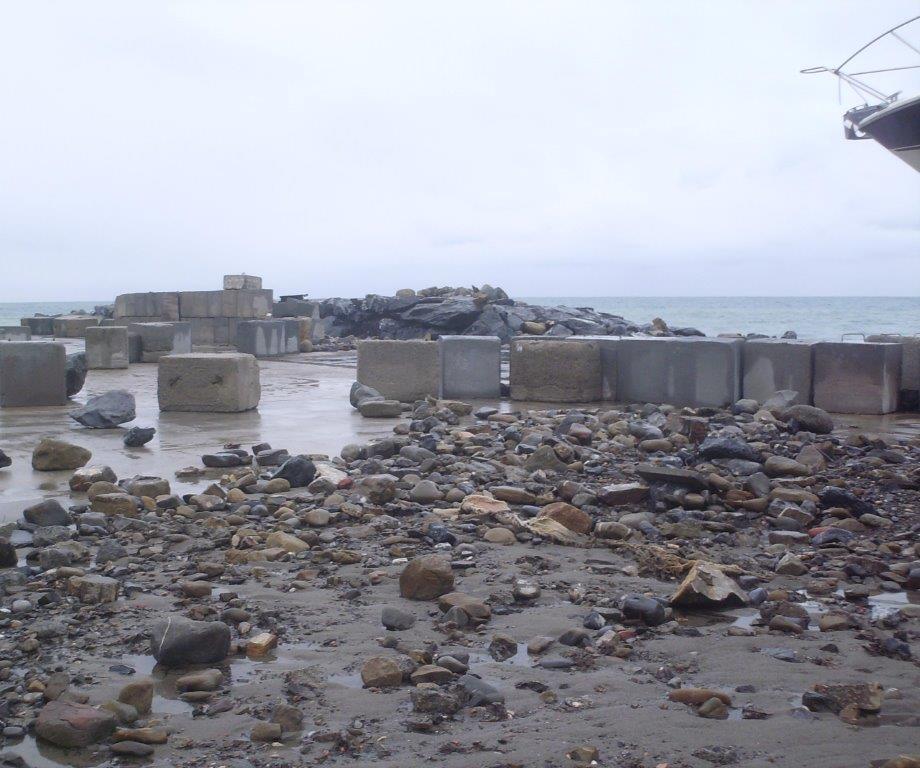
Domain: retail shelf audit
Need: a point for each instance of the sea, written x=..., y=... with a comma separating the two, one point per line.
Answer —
x=821, y=318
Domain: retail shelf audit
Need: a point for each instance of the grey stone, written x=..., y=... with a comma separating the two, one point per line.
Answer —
x=138, y=436
x=48, y=512
x=75, y=373
x=106, y=411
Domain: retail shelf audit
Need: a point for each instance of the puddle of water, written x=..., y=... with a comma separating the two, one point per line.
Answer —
x=746, y=620
x=39, y=754
x=886, y=603
x=347, y=680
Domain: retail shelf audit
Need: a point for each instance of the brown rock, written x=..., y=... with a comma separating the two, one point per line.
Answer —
x=426, y=578
x=571, y=517
x=381, y=672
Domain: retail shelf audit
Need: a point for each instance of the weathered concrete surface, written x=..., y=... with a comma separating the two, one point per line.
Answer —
x=262, y=338
x=610, y=346
x=32, y=373
x=15, y=333
x=399, y=370
x=910, y=367
x=680, y=371
x=73, y=326
x=557, y=371
x=856, y=377
x=40, y=326
x=223, y=382
x=158, y=339
x=470, y=366
x=774, y=364
x=243, y=304
x=161, y=305
x=291, y=335
x=241, y=282
x=107, y=347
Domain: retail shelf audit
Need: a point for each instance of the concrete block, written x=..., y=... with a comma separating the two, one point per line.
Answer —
x=213, y=331
x=73, y=326
x=262, y=338
x=15, y=333
x=135, y=347
x=695, y=372
x=470, y=366
x=399, y=370
x=107, y=347
x=292, y=307
x=241, y=282
x=609, y=348
x=291, y=335
x=555, y=370
x=910, y=367
x=158, y=339
x=857, y=377
x=159, y=305
x=39, y=326
x=32, y=373
x=222, y=382
x=774, y=364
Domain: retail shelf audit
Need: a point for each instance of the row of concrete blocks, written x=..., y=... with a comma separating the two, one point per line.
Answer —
x=697, y=372
x=269, y=338
x=63, y=326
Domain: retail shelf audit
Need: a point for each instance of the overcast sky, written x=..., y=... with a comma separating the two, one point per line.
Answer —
x=340, y=148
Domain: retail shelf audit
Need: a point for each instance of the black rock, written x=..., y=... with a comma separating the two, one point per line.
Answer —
x=480, y=692
x=48, y=512
x=178, y=642
x=106, y=411
x=75, y=372
x=807, y=418
x=361, y=392
x=645, y=609
x=138, y=436
x=5, y=460
x=222, y=460
x=396, y=619
x=299, y=471
x=831, y=496
x=727, y=448
x=8, y=557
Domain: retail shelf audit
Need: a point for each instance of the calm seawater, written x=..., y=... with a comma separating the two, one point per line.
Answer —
x=809, y=317
x=823, y=318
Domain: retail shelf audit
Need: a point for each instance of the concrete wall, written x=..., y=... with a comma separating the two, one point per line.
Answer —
x=40, y=326
x=857, y=377
x=470, y=366
x=32, y=373
x=158, y=339
x=15, y=333
x=73, y=326
x=910, y=367
x=680, y=371
x=609, y=346
x=400, y=370
x=107, y=347
x=555, y=371
x=225, y=382
x=262, y=338
x=774, y=364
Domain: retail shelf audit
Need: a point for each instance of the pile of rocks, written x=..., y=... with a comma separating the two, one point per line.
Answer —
x=479, y=575
x=475, y=311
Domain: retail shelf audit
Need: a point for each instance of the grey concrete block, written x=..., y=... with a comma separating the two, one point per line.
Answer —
x=135, y=347
x=32, y=373
x=159, y=305
x=695, y=372
x=223, y=382
x=240, y=282
x=213, y=331
x=15, y=333
x=609, y=358
x=399, y=370
x=774, y=364
x=158, y=339
x=40, y=326
x=262, y=338
x=73, y=326
x=296, y=308
x=107, y=347
x=291, y=335
x=555, y=370
x=470, y=366
x=857, y=377
x=910, y=366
